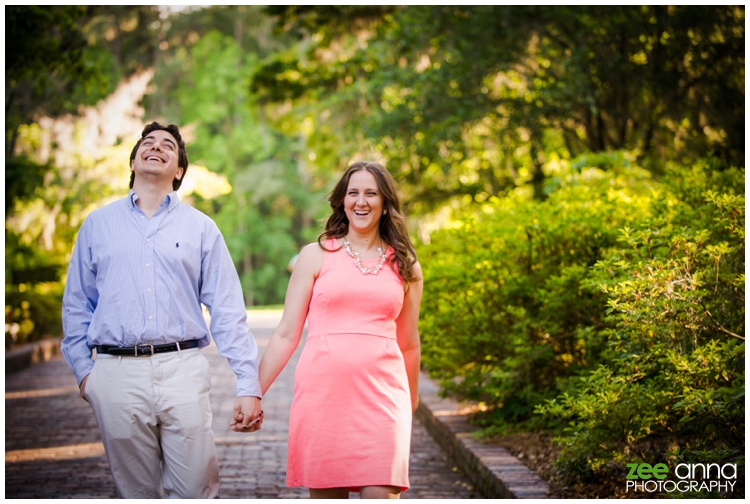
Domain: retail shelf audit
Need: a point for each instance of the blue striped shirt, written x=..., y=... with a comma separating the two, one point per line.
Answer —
x=134, y=280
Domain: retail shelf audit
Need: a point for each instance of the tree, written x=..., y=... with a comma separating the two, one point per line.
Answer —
x=47, y=71
x=476, y=100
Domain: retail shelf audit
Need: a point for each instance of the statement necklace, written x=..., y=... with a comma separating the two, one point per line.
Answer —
x=358, y=262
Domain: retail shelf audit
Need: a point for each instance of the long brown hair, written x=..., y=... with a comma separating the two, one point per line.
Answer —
x=392, y=225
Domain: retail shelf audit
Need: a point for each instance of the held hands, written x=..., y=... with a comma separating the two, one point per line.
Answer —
x=82, y=388
x=248, y=416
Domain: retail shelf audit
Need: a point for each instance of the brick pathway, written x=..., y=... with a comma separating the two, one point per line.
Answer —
x=53, y=450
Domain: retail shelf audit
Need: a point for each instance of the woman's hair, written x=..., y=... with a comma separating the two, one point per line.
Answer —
x=392, y=224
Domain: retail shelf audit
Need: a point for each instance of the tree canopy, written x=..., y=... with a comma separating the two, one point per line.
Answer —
x=487, y=93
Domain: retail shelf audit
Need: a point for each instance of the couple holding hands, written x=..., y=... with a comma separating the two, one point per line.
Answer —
x=141, y=269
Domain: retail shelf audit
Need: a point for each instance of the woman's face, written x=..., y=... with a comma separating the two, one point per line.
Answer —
x=363, y=203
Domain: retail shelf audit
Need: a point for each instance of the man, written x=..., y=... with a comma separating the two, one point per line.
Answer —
x=141, y=268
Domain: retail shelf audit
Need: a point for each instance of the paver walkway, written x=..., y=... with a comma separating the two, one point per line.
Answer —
x=53, y=449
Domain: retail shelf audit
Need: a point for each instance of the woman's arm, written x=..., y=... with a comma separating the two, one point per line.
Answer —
x=407, y=327
x=287, y=335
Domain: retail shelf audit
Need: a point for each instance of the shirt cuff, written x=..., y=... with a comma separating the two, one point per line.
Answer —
x=83, y=369
x=249, y=387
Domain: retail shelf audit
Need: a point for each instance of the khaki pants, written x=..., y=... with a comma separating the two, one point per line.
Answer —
x=155, y=421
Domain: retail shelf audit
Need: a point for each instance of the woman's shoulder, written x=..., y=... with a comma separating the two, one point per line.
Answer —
x=416, y=268
x=312, y=250
x=416, y=271
x=310, y=258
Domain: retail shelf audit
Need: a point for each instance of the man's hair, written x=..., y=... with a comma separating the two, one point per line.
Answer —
x=182, y=160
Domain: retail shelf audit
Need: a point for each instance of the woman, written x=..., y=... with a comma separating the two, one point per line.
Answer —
x=356, y=382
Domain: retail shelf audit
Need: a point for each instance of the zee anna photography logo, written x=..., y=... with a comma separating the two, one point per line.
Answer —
x=694, y=478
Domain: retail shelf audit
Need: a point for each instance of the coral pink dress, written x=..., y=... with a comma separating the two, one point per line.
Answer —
x=350, y=421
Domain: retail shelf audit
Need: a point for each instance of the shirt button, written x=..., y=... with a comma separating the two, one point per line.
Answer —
x=148, y=265
x=148, y=240
x=148, y=290
x=150, y=317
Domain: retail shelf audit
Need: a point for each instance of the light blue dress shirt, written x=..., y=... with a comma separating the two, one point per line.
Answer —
x=134, y=280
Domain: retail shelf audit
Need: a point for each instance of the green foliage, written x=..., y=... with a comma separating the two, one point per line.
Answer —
x=267, y=217
x=22, y=177
x=673, y=388
x=615, y=308
x=32, y=292
x=47, y=68
x=32, y=314
x=475, y=99
x=509, y=315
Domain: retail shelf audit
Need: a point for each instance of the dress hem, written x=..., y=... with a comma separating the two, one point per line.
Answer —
x=352, y=488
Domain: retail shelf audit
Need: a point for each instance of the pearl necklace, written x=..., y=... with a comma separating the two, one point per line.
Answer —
x=358, y=262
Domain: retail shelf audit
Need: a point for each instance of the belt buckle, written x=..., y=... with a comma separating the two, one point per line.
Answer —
x=149, y=346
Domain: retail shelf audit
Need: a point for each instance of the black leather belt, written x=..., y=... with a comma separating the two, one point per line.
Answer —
x=140, y=350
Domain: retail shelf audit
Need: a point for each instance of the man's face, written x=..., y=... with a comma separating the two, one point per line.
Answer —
x=157, y=157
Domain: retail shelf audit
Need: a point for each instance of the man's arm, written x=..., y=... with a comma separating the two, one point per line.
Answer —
x=79, y=302
x=222, y=294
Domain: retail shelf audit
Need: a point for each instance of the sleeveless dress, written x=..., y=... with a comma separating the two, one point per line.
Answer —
x=350, y=420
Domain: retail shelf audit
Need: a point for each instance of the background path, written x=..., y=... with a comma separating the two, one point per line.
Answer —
x=53, y=449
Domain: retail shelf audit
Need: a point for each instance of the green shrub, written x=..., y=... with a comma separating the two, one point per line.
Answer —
x=508, y=314
x=33, y=292
x=32, y=313
x=673, y=389
x=614, y=308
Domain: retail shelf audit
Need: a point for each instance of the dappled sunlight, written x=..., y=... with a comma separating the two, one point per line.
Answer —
x=25, y=394
x=205, y=183
x=440, y=219
x=467, y=410
x=69, y=140
x=69, y=452
x=90, y=152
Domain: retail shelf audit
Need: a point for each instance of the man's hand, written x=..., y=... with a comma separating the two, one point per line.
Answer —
x=248, y=416
x=82, y=387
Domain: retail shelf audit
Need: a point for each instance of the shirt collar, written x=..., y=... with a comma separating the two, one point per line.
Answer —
x=171, y=200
